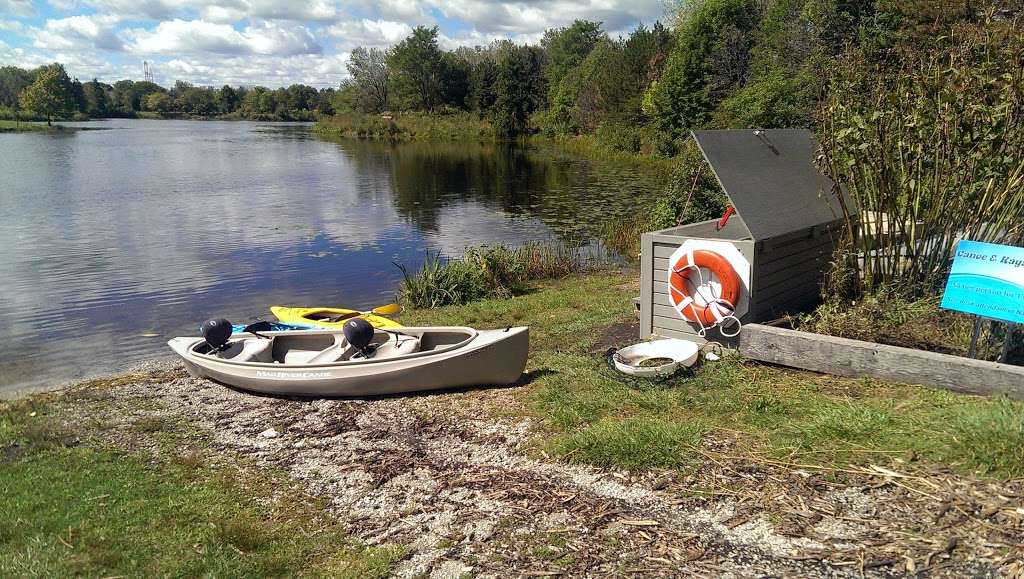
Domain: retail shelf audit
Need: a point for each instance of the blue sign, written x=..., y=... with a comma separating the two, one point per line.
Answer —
x=987, y=280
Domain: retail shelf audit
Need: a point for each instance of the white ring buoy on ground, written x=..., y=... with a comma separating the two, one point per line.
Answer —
x=681, y=353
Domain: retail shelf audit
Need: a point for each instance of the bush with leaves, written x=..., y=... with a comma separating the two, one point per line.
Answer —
x=930, y=148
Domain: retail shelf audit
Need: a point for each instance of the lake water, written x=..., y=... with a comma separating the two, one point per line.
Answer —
x=115, y=240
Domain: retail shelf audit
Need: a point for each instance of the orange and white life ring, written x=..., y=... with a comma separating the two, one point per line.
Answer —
x=710, y=310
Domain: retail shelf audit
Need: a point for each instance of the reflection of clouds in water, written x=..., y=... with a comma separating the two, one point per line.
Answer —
x=465, y=224
x=157, y=224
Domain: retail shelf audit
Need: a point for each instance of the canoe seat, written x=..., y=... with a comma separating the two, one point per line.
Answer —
x=336, y=352
x=248, y=351
x=395, y=348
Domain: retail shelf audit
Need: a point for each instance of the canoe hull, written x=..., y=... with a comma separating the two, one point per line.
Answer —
x=491, y=358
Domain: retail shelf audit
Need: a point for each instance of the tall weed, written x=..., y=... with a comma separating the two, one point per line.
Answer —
x=930, y=147
x=488, y=271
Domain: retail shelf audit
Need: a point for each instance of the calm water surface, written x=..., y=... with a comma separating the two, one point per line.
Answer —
x=115, y=240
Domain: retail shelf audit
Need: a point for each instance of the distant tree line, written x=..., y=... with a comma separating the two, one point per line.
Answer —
x=718, y=64
x=48, y=92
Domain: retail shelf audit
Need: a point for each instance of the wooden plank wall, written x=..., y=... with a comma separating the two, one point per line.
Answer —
x=657, y=316
x=854, y=358
x=790, y=270
x=787, y=274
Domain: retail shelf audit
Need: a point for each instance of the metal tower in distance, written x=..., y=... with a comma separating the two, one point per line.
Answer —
x=147, y=71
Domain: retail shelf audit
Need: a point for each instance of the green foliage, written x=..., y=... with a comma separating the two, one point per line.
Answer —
x=12, y=81
x=408, y=126
x=710, y=59
x=128, y=98
x=418, y=69
x=442, y=282
x=97, y=101
x=516, y=89
x=567, y=47
x=931, y=149
x=49, y=95
x=773, y=100
x=227, y=99
x=488, y=271
x=371, y=79
x=693, y=193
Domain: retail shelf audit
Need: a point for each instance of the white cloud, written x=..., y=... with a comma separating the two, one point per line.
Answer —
x=312, y=69
x=369, y=32
x=17, y=8
x=79, y=33
x=12, y=26
x=21, y=57
x=221, y=10
x=198, y=36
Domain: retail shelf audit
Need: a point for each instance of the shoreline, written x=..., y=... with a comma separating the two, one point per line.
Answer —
x=572, y=471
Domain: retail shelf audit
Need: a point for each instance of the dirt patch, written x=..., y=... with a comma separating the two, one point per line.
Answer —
x=466, y=493
x=618, y=335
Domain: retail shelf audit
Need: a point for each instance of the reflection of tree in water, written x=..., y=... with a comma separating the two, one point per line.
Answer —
x=572, y=195
x=431, y=176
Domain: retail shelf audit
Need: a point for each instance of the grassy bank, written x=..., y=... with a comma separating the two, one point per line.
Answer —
x=462, y=126
x=151, y=495
x=30, y=127
x=594, y=417
x=489, y=271
x=75, y=506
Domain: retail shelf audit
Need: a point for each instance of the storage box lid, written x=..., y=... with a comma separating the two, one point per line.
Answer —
x=771, y=178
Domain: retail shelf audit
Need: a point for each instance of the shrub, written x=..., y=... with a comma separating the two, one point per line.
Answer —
x=487, y=272
x=693, y=193
x=930, y=148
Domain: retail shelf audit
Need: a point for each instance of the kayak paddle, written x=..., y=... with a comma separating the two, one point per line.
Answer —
x=378, y=311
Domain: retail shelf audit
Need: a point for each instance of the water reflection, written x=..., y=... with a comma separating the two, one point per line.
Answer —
x=153, y=226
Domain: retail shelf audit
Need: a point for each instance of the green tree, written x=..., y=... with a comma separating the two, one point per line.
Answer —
x=78, y=96
x=258, y=102
x=371, y=78
x=227, y=99
x=566, y=48
x=12, y=81
x=196, y=101
x=50, y=94
x=418, y=69
x=299, y=97
x=518, y=89
x=157, y=102
x=710, y=59
x=482, y=78
x=455, y=73
x=96, y=102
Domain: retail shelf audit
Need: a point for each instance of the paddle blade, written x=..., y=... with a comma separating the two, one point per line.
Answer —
x=387, y=310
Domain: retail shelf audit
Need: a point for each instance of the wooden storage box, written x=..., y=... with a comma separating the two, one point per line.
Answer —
x=787, y=224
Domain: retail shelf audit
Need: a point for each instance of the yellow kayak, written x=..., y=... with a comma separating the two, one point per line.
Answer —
x=328, y=317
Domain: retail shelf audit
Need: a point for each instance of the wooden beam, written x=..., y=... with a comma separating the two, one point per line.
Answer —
x=854, y=358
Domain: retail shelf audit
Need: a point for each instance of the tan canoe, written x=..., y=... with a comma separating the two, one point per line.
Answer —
x=322, y=363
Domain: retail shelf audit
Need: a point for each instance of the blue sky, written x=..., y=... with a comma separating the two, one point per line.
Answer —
x=269, y=42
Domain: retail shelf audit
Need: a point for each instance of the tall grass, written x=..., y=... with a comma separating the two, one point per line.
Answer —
x=488, y=271
x=930, y=147
x=408, y=126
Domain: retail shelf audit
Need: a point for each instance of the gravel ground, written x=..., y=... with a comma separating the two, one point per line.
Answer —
x=468, y=493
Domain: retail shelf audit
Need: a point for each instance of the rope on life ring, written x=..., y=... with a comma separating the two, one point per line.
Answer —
x=716, y=311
